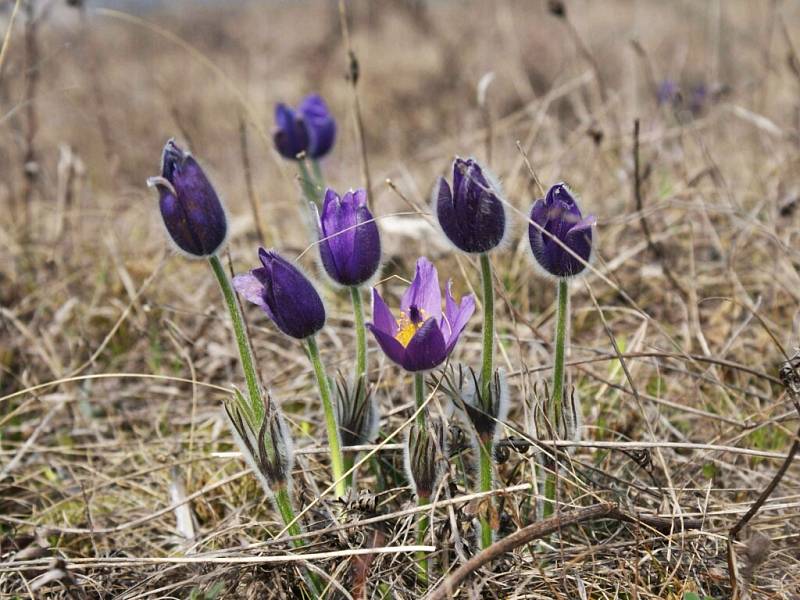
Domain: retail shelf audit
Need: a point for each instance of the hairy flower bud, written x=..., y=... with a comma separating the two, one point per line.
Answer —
x=471, y=215
x=356, y=411
x=484, y=414
x=310, y=129
x=286, y=295
x=560, y=217
x=190, y=208
x=350, y=244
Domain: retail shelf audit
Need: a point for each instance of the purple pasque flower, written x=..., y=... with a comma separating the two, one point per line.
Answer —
x=284, y=293
x=560, y=217
x=471, y=215
x=668, y=92
x=310, y=128
x=349, y=245
x=424, y=336
x=190, y=208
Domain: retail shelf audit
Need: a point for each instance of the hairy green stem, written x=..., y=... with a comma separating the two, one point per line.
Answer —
x=337, y=460
x=419, y=396
x=308, y=183
x=488, y=326
x=485, y=472
x=255, y=409
x=318, y=173
x=557, y=394
x=361, y=335
x=422, y=532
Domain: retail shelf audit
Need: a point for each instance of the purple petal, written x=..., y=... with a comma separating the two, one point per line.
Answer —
x=320, y=124
x=381, y=315
x=427, y=349
x=424, y=291
x=291, y=134
x=390, y=346
x=460, y=320
x=252, y=290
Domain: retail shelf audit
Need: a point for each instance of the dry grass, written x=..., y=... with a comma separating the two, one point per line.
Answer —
x=115, y=354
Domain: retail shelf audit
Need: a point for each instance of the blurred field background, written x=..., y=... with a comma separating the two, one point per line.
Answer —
x=698, y=282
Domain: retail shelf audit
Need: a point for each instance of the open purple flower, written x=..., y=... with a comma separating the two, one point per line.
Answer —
x=190, y=208
x=350, y=245
x=558, y=214
x=310, y=128
x=424, y=336
x=284, y=293
x=471, y=214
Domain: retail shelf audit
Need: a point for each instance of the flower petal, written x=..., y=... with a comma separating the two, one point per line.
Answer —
x=390, y=346
x=458, y=319
x=320, y=124
x=381, y=315
x=424, y=292
x=427, y=349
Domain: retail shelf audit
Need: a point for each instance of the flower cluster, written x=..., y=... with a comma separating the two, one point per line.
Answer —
x=420, y=337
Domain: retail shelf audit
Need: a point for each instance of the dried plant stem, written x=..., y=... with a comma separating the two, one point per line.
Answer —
x=557, y=397
x=361, y=335
x=255, y=409
x=332, y=427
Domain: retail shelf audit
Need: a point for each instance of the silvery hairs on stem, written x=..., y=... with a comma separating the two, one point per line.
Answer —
x=268, y=452
x=570, y=427
x=482, y=415
x=425, y=455
x=356, y=411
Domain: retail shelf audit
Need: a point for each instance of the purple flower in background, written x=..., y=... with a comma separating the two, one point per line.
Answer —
x=667, y=92
x=310, y=128
x=471, y=215
x=558, y=214
x=284, y=293
x=424, y=336
x=350, y=245
x=190, y=208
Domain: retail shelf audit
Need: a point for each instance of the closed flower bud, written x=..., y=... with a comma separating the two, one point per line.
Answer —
x=191, y=210
x=471, y=215
x=286, y=295
x=425, y=452
x=560, y=217
x=269, y=451
x=309, y=129
x=350, y=245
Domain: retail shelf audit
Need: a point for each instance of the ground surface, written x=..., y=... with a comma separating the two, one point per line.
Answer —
x=115, y=353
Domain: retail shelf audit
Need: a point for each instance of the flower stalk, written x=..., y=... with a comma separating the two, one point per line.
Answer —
x=255, y=408
x=554, y=412
x=361, y=333
x=486, y=445
x=337, y=461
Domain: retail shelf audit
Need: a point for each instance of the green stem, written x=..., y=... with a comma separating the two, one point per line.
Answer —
x=556, y=400
x=419, y=396
x=337, y=461
x=361, y=335
x=255, y=411
x=488, y=327
x=308, y=183
x=318, y=173
x=422, y=532
x=485, y=469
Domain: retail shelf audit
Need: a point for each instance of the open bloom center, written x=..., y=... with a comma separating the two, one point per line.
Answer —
x=408, y=324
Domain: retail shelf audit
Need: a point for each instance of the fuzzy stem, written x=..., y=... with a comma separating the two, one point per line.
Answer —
x=337, y=461
x=554, y=410
x=361, y=335
x=488, y=326
x=318, y=173
x=255, y=411
x=419, y=396
x=308, y=183
x=422, y=531
x=284, y=504
x=485, y=472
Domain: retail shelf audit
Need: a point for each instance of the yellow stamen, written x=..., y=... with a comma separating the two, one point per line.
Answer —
x=406, y=328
